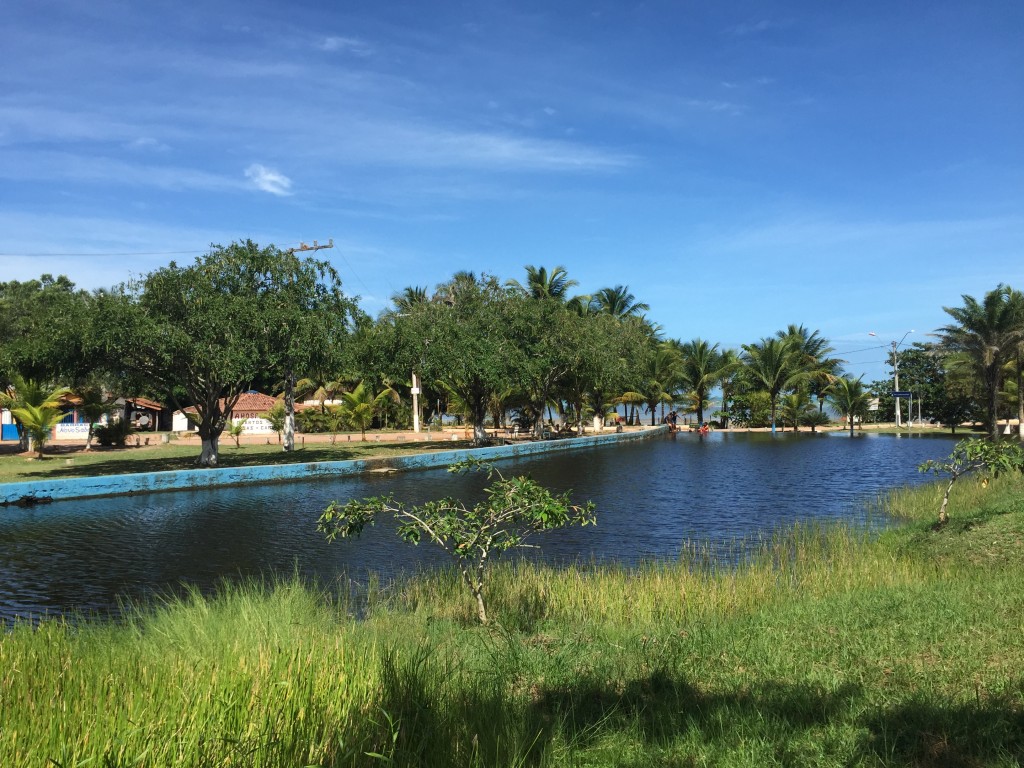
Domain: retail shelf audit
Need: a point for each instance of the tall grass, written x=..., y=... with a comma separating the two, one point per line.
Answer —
x=253, y=676
x=829, y=646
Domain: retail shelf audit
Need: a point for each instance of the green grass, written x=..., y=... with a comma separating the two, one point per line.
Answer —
x=182, y=454
x=830, y=648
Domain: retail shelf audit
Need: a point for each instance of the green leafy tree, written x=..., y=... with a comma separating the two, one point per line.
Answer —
x=46, y=331
x=467, y=341
x=513, y=510
x=972, y=455
x=202, y=334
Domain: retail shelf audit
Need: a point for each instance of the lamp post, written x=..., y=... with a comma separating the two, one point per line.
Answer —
x=896, y=376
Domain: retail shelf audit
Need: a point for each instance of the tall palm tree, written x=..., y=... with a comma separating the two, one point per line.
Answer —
x=731, y=365
x=700, y=371
x=850, y=398
x=987, y=333
x=1017, y=300
x=664, y=378
x=619, y=302
x=813, y=353
x=775, y=364
x=542, y=284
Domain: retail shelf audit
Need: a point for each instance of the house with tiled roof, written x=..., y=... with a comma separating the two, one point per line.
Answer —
x=250, y=408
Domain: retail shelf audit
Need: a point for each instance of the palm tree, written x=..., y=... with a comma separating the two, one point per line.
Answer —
x=813, y=354
x=700, y=371
x=619, y=302
x=631, y=400
x=795, y=408
x=360, y=406
x=988, y=334
x=850, y=398
x=773, y=363
x=731, y=365
x=664, y=378
x=38, y=421
x=321, y=387
x=94, y=405
x=1017, y=300
x=409, y=298
x=540, y=284
x=24, y=392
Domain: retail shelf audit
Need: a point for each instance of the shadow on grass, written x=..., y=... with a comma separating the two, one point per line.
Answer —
x=441, y=715
x=145, y=460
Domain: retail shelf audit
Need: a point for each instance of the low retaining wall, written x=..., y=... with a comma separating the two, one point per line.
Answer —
x=41, y=491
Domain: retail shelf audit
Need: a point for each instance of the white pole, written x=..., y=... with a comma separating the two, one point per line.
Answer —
x=415, y=403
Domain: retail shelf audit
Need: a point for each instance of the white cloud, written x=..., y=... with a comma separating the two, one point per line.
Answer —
x=268, y=180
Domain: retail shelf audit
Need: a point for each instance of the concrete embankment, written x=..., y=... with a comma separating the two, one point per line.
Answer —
x=42, y=491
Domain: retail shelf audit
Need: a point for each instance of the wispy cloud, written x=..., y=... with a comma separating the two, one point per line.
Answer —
x=758, y=27
x=64, y=167
x=268, y=180
x=345, y=45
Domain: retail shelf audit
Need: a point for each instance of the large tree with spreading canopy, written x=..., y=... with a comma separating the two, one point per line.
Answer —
x=204, y=333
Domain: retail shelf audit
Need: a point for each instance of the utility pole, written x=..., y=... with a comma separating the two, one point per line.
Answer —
x=896, y=382
x=289, y=374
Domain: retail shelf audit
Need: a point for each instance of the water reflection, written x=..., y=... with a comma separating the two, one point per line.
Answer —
x=652, y=498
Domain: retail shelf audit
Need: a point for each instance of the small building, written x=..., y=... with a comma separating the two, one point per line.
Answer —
x=250, y=408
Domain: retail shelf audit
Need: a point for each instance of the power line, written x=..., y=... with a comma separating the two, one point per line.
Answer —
x=97, y=253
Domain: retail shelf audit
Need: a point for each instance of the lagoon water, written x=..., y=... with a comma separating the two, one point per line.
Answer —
x=653, y=498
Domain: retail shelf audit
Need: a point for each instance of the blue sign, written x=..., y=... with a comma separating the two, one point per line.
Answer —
x=901, y=394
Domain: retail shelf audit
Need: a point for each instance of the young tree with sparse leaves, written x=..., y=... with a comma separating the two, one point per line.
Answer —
x=513, y=510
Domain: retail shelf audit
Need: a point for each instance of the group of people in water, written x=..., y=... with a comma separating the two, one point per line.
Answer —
x=672, y=419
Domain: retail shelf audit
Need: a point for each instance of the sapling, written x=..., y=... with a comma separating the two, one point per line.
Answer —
x=974, y=456
x=512, y=511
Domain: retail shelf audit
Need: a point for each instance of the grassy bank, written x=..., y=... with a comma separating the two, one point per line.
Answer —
x=66, y=461
x=828, y=649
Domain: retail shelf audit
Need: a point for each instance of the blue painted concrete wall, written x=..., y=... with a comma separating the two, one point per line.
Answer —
x=191, y=479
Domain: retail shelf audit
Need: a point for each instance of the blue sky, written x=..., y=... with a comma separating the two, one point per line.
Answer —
x=741, y=166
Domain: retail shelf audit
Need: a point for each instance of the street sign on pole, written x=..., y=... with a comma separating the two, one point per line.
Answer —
x=901, y=394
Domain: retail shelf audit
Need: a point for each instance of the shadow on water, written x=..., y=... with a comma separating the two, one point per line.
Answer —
x=656, y=500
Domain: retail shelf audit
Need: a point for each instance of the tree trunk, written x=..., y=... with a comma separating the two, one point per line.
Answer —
x=289, y=410
x=1020, y=399
x=210, y=452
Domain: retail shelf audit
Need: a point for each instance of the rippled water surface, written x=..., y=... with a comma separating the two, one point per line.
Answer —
x=651, y=496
